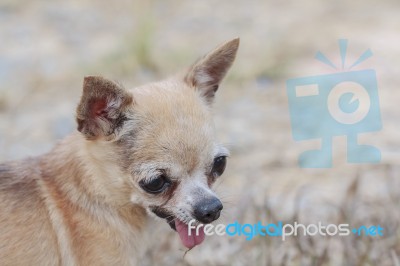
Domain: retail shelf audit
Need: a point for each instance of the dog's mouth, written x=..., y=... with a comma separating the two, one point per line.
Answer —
x=189, y=237
x=164, y=214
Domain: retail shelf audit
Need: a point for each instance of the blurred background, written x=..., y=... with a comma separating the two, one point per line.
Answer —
x=47, y=47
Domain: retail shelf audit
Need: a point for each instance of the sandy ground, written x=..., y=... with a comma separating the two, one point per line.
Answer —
x=47, y=47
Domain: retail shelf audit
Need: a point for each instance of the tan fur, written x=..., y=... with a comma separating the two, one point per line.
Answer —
x=81, y=204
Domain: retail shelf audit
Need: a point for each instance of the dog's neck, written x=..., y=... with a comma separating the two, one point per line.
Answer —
x=88, y=170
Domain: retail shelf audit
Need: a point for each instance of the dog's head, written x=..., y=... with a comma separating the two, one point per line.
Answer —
x=159, y=141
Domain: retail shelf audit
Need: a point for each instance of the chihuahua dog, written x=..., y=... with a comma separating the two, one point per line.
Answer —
x=148, y=150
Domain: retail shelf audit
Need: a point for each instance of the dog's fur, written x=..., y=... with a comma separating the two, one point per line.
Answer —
x=82, y=203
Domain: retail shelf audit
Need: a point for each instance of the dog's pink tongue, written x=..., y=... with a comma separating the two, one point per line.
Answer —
x=191, y=240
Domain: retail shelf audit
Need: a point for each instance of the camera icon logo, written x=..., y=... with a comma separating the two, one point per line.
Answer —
x=339, y=104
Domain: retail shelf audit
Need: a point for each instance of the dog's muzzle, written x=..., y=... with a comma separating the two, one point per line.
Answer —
x=204, y=211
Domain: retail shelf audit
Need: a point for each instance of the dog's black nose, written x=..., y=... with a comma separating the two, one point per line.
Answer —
x=207, y=210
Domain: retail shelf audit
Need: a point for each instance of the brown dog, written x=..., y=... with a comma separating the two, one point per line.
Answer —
x=149, y=150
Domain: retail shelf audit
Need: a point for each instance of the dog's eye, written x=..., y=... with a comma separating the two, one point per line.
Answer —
x=156, y=185
x=219, y=166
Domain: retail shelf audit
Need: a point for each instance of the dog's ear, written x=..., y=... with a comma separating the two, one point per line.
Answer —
x=101, y=109
x=207, y=73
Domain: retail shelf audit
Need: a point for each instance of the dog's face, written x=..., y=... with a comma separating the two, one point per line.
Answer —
x=161, y=139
